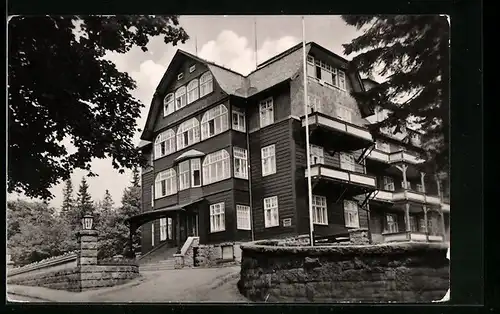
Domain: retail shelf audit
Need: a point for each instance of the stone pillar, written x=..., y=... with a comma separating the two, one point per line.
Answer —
x=87, y=243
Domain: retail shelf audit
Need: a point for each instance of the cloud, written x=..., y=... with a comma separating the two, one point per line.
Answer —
x=236, y=53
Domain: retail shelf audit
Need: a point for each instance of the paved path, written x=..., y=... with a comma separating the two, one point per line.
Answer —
x=182, y=285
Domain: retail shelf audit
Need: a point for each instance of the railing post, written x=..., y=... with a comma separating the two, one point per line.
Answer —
x=407, y=216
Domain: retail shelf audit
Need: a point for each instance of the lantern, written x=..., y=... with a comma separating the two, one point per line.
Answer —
x=87, y=222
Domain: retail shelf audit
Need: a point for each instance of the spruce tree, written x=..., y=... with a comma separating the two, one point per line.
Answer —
x=136, y=179
x=68, y=204
x=412, y=52
x=84, y=201
x=107, y=203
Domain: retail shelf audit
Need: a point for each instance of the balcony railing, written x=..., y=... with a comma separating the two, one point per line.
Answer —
x=391, y=158
x=411, y=236
x=342, y=175
x=333, y=123
x=406, y=195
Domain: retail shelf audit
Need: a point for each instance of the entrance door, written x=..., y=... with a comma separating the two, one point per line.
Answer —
x=192, y=223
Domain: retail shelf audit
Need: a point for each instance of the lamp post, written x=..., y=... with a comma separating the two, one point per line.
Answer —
x=87, y=222
x=87, y=242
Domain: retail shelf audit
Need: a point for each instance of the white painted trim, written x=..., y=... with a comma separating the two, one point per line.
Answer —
x=418, y=237
x=362, y=179
x=334, y=174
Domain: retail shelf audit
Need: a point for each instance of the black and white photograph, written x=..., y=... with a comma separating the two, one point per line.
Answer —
x=228, y=158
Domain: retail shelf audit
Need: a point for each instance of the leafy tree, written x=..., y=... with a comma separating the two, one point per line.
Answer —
x=84, y=203
x=412, y=51
x=60, y=86
x=136, y=179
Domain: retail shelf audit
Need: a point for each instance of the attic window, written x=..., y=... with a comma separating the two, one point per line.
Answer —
x=180, y=76
x=192, y=68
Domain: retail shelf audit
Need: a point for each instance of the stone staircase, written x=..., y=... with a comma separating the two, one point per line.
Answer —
x=161, y=258
x=160, y=265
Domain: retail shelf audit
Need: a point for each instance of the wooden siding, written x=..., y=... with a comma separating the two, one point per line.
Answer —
x=216, y=96
x=278, y=184
x=241, y=198
x=204, y=218
x=147, y=181
x=281, y=105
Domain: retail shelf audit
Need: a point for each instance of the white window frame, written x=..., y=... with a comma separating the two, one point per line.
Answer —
x=192, y=68
x=268, y=157
x=152, y=196
x=195, y=166
x=153, y=233
x=407, y=186
x=351, y=214
x=192, y=128
x=266, y=112
x=164, y=144
x=168, y=104
x=344, y=113
x=329, y=74
x=168, y=176
x=388, y=183
x=347, y=162
x=317, y=154
x=320, y=210
x=217, y=218
x=163, y=229
x=206, y=84
x=184, y=173
x=391, y=226
x=180, y=98
x=216, y=167
x=240, y=163
x=218, y=117
x=170, y=228
x=271, y=212
x=193, y=91
x=238, y=120
x=180, y=76
x=243, y=220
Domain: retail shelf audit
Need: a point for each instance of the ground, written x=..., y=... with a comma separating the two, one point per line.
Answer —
x=182, y=285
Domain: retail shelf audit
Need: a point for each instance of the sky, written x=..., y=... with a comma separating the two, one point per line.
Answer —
x=225, y=40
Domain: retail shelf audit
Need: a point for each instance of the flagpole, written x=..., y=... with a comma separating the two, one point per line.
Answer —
x=255, y=39
x=308, y=154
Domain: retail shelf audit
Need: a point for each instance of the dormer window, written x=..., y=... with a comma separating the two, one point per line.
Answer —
x=192, y=68
x=326, y=73
x=180, y=76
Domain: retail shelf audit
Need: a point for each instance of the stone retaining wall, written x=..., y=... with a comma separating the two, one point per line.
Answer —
x=402, y=272
x=79, y=278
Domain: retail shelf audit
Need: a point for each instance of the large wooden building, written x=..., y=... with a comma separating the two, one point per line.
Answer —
x=227, y=157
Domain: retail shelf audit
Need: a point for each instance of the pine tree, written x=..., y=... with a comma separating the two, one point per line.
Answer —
x=68, y=205
x=136, y=179
x=107, y=203
x=84, y=200
x=412, y=51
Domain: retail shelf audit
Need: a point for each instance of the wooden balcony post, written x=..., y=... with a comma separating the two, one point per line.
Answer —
x=407, y=217
x=438, y=183
x=422, y=181
x=403, y=170
x=426, y=224
x=443, y=226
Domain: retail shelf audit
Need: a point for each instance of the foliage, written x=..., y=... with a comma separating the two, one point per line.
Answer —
x=84, y=203
x=131, y=206
x=413, y=52
x=136, y=179
x=61, y=87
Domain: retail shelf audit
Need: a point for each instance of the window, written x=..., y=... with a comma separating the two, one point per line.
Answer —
x=168, y=104
x=217, y=222
x=153, y=233
x=341, y=80
x=195, y=172
x=266, y=112
x=169, y=228
x=388, y=184
x=206, y=84
x=180, y=76
x=240, y=163
x=325, y=72
x=268, y=160
x=163, y=229
x=408, y=185
x=320, y=214
x=243, y=217
x=344, y=113
x=420, y=188
x=271, y=212
x=193, y=92
x=351, y=214
x=165, y=144
x=317, y=154
x=416, y=224
x=214, y=121
x=188, y=133
x=166, y=183
x=180, y=98
x=311, y=70
x=152, y=196
x=391, y=223
x=184, y=175
x=314, y=103
x=383, y=146
x=216, y=167
x=192, y=68
x=347, y=162
x=238, y=118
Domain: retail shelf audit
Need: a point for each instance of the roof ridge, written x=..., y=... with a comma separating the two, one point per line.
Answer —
x=210, y=62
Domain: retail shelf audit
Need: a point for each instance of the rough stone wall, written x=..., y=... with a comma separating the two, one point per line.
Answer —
x=65, y=279
x=210, y=255
x=359, y=236
x=403, y=272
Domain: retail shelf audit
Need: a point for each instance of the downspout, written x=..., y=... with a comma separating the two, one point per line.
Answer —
x=249, y=170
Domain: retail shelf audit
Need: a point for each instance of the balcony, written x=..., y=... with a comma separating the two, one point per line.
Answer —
x=406, y=195
x=343, y=176
x=341, y=135
x=393, y=158
x=445, y=207
x=413, y=236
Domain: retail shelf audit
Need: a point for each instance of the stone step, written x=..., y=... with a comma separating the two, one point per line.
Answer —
x=163, y=262
x=153, y=268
